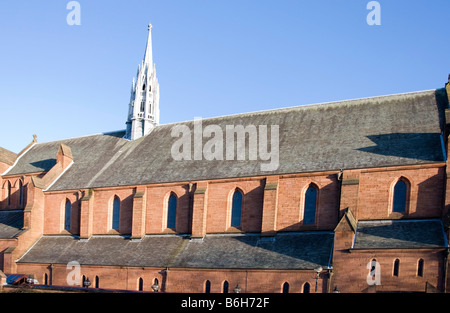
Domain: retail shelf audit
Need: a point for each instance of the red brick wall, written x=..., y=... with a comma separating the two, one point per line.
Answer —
x=157, y=205
x=103, y=201
x=4, y=244
x=369, y=196
x=374, y=194
x=350, y=270
x=291, y=192
x=54, y=212
x=14, y=199
x=253, y=281
x=181, y=280
x=426, y=192
x=219, y=202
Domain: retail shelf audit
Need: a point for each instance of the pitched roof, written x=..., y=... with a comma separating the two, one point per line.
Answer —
x=305, y=250
x=90, y=154
x=11, y=223
x=285, y=251
x=393, y=130
x=398, y=234
x=7, y=156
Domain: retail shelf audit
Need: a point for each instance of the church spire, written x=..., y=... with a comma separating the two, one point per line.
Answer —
x=143, y=109
x=148, y=57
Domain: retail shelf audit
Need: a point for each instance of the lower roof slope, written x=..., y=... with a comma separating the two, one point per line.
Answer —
x=11, y=223
x=400, y=234
x=285, y=251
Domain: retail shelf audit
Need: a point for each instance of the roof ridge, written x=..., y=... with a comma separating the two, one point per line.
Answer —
x=84, y=136
x=301, y=106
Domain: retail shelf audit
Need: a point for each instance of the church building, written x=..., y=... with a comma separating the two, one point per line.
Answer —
x=357, y=200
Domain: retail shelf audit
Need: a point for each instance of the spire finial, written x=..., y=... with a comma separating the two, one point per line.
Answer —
x=148, y=59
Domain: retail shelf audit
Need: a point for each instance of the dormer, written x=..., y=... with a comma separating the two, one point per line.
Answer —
x=64, y=160
x=64, y=155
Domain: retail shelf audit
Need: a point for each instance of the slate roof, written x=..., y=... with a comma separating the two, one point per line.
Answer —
x=11, y=223
x=393, y=130
x=400, y=234
x=7, y=156
x=90, y=154
x=285, y=251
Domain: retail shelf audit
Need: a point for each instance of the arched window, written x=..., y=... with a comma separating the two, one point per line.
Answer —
x=140, y=284
x=8, y=192
x=172, y=211
x=400, y=196
x=21, y=192
x=67, y=215
x=225, y=286
x=420, y=268
x=306, y=288
x=396, y=267
x=115, y=213
x=207, y=286
x=97, y=282
x=309, y=214
x=236, y=209
x=286, y=287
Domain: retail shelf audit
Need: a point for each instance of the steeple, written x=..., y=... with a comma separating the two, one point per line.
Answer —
x=148, y=57
x=143, y=109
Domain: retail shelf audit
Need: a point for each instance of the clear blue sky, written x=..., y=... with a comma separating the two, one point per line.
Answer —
x=213, y=57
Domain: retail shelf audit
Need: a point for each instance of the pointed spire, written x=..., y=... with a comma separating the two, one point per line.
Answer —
x=143, y=109
x=148, y=58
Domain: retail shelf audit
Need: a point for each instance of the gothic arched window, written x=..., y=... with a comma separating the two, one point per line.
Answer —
x=21, y=192
x=400, y=196
x=286, y=287
x=172, y=211
x=8, y=192
x=420, y=268
x=306, y=288
x=236, y=209
x=67, y=214
x=207, y=286
x=115, y=213
x=309, y=214
x=140, y=284
x=225, y=286
x=396, y=267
